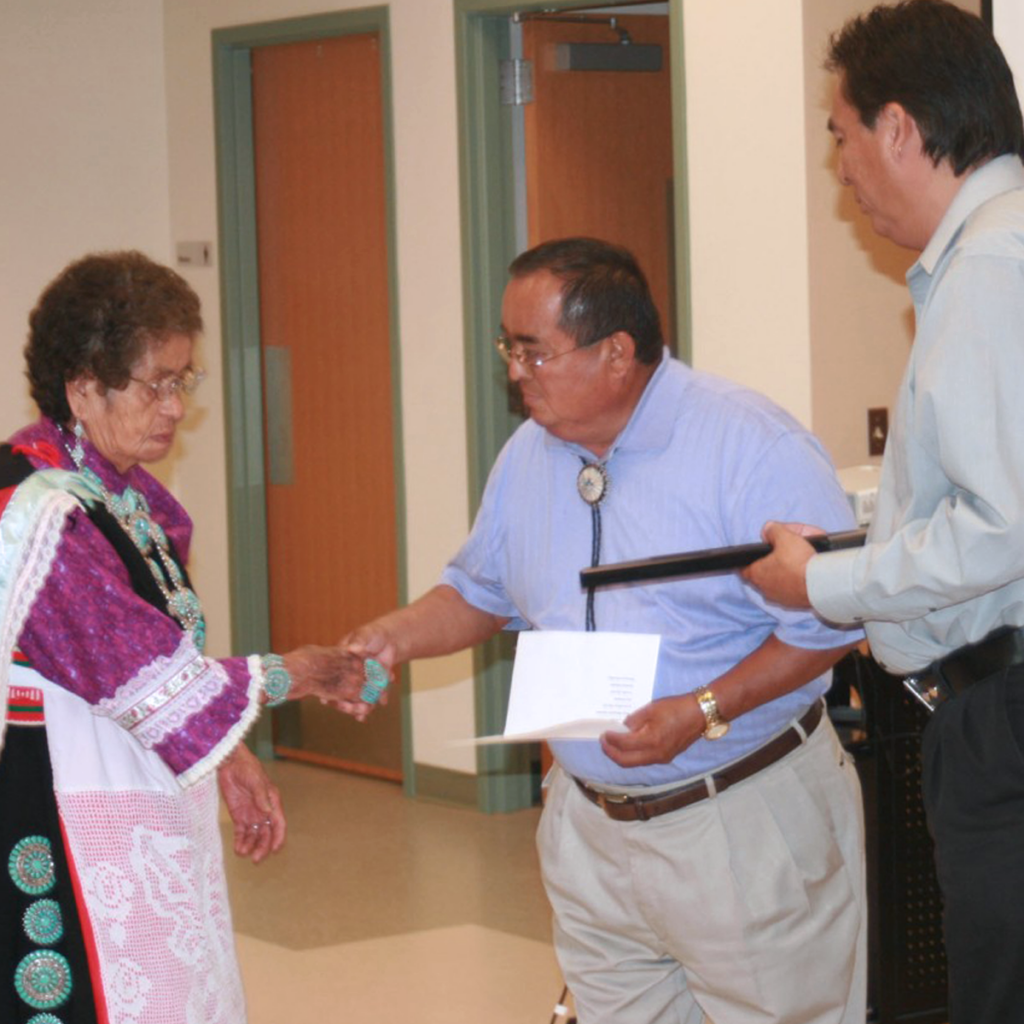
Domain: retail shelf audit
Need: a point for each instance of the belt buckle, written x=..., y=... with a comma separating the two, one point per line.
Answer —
x=616, y=799
x=927, y=688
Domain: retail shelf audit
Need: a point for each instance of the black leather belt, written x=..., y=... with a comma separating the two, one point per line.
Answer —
x=950, y=676
x=622, y=807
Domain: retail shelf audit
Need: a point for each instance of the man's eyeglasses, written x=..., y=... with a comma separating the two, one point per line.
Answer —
x=526, y=358
x=174, y=386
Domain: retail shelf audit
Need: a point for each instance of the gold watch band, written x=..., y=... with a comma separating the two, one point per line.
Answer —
x=715, y=725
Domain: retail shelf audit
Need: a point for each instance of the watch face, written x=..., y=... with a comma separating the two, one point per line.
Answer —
x=592, y=483
x=717, y=726
x=716, y=731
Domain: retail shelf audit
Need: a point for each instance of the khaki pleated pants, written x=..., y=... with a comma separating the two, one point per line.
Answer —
x=745, y=908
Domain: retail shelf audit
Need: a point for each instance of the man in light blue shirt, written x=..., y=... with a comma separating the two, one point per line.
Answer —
x=708, y=862
x=930, y=138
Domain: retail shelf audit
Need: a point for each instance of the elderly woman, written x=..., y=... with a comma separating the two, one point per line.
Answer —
x=114, y=905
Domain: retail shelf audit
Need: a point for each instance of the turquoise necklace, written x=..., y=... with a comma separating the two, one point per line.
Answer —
x=131, y=510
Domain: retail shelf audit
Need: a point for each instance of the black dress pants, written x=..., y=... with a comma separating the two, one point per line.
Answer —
x=973, y=787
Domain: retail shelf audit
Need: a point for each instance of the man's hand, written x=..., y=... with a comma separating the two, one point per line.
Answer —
x=782, y=575
x=658, y=732
x=370, y=642
x=254, y=804
x=661, y=730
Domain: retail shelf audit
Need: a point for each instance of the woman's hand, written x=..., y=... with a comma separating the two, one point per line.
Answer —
x=330, y=673
x=254, y=804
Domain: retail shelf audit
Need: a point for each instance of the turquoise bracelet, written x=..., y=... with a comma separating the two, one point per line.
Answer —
x=277, y=682
x=376, y=681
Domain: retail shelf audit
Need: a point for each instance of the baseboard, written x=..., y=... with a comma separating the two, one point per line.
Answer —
x=446, y=785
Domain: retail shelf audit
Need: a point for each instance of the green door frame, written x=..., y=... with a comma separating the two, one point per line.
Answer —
x=505, y=778
x=243, y=394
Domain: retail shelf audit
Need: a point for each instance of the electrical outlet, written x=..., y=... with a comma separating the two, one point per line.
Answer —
x=878, y=430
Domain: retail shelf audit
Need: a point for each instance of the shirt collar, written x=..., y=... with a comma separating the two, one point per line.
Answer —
x=1003, y=174
x=653, y=419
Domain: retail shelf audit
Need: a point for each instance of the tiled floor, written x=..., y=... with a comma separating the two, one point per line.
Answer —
x=385, y=909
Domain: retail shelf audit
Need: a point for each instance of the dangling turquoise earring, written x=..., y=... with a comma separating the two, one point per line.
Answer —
x=78, y=452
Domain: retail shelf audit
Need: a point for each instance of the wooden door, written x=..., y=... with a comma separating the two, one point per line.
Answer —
x=599, y=148
x=324, y=322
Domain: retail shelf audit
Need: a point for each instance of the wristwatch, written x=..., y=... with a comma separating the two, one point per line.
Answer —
x=716, y=726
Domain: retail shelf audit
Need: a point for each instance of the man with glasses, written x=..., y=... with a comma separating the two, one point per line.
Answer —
x=708, y=862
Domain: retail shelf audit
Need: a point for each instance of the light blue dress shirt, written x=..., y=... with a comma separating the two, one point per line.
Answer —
x=944, y=563
x=702, y=463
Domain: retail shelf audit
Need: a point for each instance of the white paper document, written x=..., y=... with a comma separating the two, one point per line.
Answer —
x=572, y=685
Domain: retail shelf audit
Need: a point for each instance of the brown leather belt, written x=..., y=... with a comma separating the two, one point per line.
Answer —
x=950, y=676
x=622, y=807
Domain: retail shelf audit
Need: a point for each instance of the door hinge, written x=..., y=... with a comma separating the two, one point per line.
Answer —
x=516, y=82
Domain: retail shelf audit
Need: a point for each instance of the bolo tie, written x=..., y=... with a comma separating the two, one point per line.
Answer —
x=592, y=485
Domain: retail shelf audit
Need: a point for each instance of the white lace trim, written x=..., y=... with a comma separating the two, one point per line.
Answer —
x=30, y=532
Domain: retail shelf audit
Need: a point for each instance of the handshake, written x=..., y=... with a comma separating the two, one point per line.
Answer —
x=346, y=676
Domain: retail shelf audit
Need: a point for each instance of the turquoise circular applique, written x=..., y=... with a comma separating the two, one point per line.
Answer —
x=376, y=681
x=45, y=1018
x=43, y=922
x=31, y=865
x=43, y=979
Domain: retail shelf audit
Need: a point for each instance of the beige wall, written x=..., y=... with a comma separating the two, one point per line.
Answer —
x=748, y=218
x=789, y=293
x=83, y=152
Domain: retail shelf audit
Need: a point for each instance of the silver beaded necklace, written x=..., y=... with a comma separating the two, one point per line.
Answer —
x=132, y=513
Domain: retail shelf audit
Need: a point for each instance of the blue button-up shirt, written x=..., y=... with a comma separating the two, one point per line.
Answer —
x=702, y=463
